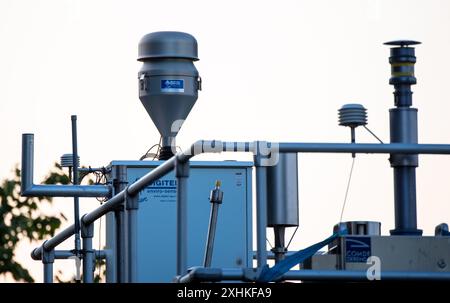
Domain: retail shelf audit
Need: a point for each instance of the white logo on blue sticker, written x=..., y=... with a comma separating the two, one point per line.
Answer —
x=172, y=86
x=358, y=249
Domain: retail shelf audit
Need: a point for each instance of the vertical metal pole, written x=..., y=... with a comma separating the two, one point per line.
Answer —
x=26, y=178
x=110, y=267
x=87, y=233
x=120, y=219
x=48, y=257
x=132, y=206
x=88, y=260
x=403, y=129
x=261, y=210
x=76, y=203
x=353, y=138
x=182, y=174
x=119, y=215
x=48, y=272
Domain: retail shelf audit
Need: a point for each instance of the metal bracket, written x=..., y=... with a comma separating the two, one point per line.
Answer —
x=48, y=256
x=181, y=169
x=263, y=153
x=199, y=83
x=143, y=84
x=131, y=202
x=87, y=231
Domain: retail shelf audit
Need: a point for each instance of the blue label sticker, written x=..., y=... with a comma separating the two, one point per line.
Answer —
x=172, y=86
x=162, y=190
x=357, y=249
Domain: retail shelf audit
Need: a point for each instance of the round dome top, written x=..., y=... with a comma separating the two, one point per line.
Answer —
x=167, y=45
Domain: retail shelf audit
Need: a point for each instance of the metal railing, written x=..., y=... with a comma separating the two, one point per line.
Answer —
x=128, y=198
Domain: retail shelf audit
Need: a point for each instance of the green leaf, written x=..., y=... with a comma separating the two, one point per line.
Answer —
x=26, y=221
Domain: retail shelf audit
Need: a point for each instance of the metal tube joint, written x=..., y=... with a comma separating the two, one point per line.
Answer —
x=181, y=168
x=48, y=256
x=131, y=201
x=87, y=230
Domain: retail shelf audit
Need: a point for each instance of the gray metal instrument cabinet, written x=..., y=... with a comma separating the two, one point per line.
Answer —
x=157, y=217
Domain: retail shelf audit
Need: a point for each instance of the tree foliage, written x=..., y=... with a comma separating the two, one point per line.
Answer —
x=22, y=218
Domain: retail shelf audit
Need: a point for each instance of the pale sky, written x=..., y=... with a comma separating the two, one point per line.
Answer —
x=271, y=70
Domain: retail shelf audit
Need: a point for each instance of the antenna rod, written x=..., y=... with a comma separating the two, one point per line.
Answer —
x=76, y=202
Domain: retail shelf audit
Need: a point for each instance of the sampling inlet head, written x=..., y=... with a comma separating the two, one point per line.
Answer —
x=402, y=60
x=168, y=82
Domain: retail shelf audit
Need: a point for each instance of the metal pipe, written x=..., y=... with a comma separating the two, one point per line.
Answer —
x=403, y=129
x=59, y=254
x=105, y=208
x=347, y=275
x=368, y=148
x=87, y=233
x=211, y=235
x=119, y=216
x=110, y=264
x=88, y=260
x=75, y=181
x=405, y=201
x=65, y=191
x=204, y=146
x=182, y=174
x=239, y=274
x=66, y=254
x=65, y=234
x=59, y=238
x=233, y=273
x=132, y=206
x=48, y=257
x=132, y=245
x=48, y=272
x=261, y=214
x=215, y=198
x=28, y=189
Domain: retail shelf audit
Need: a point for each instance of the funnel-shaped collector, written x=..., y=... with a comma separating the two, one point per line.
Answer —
x=168, y=82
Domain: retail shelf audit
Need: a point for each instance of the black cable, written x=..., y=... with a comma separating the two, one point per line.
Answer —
x=147, y=153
